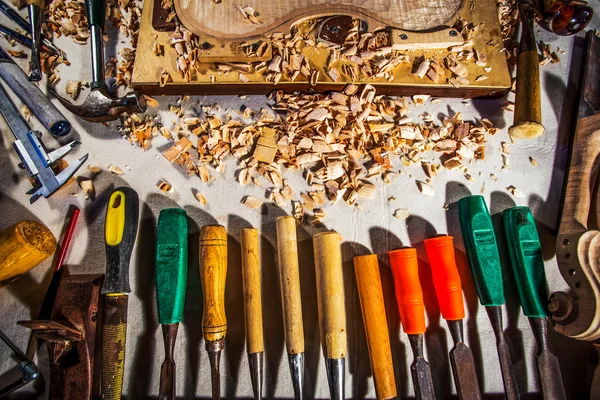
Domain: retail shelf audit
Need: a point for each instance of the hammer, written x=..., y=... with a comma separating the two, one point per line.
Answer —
x=100, y=106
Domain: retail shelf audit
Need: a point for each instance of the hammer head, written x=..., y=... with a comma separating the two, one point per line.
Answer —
x=100, y=106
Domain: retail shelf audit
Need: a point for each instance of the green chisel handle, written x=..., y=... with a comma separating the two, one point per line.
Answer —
x=171, y=264
x=482, y=250
x=526, y=259
x=114, y=334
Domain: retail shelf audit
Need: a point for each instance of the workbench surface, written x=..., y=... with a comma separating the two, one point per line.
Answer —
x=372, y=229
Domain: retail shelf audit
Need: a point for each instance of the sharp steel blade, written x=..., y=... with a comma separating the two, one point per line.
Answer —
x=463, y=369
x=550, y=376
x=421, y=375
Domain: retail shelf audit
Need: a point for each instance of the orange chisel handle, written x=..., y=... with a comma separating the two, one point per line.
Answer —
x=405, y=268
x=446, y=280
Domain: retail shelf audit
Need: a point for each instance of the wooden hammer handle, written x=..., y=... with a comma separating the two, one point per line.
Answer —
x=368, y=280
x=330, y=294
x=528, y=103
x=289, y=280
x=252, y=291
x=213, y=272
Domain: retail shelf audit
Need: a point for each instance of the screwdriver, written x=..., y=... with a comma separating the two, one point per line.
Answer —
x=484, y=260
x=372, y=305
x=291, y=301
x=213, y=272
x=120, y=231
x=171, y=279
x=409, y=296
x=332, y=311
x=446, y=281
x=253, y=308
x=527, y=264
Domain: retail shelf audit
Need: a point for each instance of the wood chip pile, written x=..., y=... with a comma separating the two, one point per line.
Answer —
x=339, y=142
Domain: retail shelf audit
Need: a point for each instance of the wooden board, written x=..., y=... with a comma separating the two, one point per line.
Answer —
x=148, y=67
x=225, y=20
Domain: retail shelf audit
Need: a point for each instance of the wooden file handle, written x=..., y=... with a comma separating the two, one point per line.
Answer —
x=213, y=272
x=330, y=294
x=289, y=280
x=366, y=269
x=23, y=246
x=252, y=291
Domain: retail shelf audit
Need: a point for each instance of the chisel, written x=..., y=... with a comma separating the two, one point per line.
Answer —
x=213, y=273
x=120, y=231
x=368, y=280
x=171, y=279
x=253, y=308
x=527, y=263
x=409, y=296
x=448, y=289
x=291, y=301
x=331, y=308
x=35, y=9
x=484, y=260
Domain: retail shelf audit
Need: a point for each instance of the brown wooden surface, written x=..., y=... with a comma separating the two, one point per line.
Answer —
x=213, y=272
x=330, y=294
x=289, y=280
x=22, y=247
x=225, y=20
x=574, y=239
x=528, y=103
x=252, y=291
x=147, y=69
x=368, y=280
x=39, y=3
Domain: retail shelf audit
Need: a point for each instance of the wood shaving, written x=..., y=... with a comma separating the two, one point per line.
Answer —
x=251, y=202
x=401, y=213
x=200, y=197
x=515, y=192
x=426, y=189
x=94, y=169
x=73, y=89
x=533, y=161
x=115, y=170
x=87, y=186
x=165, y=186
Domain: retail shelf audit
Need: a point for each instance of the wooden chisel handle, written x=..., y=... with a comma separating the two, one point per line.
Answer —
x=252, y=291
x=330, y=294
x=289, y=279
x=368, y=280
x=528, y=103
x=213, y=273
x=114, y=334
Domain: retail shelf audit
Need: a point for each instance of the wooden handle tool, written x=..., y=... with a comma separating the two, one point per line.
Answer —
x=23, y=246
x=528, y=104
x=171, y=280
x=213, y=273
x=253, y=308
x=409, y=296
x=289, y=280
x=366, y=269
x=120, y=232
x=332, y=309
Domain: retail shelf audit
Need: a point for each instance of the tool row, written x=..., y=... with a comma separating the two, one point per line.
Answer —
x=61, y=327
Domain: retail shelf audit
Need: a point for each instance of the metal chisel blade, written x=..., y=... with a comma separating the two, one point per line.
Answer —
x=550, y=376
x=463, y=369
x=508, y=375
x=421, y=375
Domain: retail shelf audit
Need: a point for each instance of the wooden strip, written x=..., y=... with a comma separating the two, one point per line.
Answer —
x=252, y=291
x=330, y=294
x=289, y=279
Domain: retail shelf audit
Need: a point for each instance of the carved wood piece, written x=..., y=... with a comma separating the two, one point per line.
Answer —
x=225, y=20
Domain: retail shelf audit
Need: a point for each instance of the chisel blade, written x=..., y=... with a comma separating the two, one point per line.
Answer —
x=421, y=375
x=463, y=369
x=550, y=376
